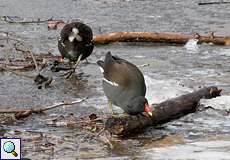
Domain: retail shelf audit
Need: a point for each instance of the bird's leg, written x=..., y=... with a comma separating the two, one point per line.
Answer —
x=73, y=67
x=71, y=72
x=86, y=61
x=78, y=61
x=61, y=59
x=111, y=107
x=124, y=115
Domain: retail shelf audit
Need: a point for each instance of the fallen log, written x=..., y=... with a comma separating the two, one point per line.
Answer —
x=155, y=37
x=163, y=112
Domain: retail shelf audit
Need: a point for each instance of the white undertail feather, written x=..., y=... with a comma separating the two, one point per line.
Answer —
x=75, y=34
x=71, y=37
x=101, y=69
x=112, y=83
x=75, y=30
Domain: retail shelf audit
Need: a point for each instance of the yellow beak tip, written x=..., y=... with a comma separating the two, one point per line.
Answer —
x=150, y=113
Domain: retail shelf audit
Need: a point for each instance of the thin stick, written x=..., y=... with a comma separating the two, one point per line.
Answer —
x=59, y=104
x=206, y=3
x=35, y=62
x=9, y=20
x=16, y=73
x=144, y=65
x=39, y=110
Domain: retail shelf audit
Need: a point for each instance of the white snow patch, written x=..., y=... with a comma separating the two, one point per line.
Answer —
x=220, y=103
x=161, y=90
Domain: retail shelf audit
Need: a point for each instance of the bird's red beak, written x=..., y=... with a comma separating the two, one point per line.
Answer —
x=148, y=109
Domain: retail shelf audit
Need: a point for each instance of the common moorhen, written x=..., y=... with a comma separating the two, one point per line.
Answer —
x=124, y=85
x=74, y=42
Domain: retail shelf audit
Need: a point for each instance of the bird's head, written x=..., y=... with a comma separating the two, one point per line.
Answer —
x=139, y=105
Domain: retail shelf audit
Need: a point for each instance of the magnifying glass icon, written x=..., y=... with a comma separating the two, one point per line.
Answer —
x=9, y=147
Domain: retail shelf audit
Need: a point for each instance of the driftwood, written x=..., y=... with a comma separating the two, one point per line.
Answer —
x=171, y=38
x=163, y=112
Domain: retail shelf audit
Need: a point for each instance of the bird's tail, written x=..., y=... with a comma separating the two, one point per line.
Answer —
x=108, y=58
x=100, y=63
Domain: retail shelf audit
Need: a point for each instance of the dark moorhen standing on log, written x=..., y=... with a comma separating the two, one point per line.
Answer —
x=124, y=85
x=74, y=43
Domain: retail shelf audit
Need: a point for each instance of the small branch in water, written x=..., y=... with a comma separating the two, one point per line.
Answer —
x=22, y=113
x=144, y=65
x=35, y=62
x=10, y=19
x=207, y=3
x=14, y=72
x=25, y=64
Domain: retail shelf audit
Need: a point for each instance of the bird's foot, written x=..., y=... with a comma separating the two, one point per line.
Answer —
x=69, y=73
x=115, y=115
x=57, y=66
x=86, y=61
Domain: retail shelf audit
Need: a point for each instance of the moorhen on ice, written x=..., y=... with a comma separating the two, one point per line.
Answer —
x=75, y=43
x=124, y=85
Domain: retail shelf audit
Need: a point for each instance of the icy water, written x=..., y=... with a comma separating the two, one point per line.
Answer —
x=172, y=71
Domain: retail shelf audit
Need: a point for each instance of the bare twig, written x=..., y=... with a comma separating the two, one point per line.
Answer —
x=39, y=110
x=35, y=62
x=14, y=72
x=143, y=65
x=206, y=3
x=59, y=105
x=10, y=20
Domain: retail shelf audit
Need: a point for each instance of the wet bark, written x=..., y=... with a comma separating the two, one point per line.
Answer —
x=163, y=112
x=172, y=38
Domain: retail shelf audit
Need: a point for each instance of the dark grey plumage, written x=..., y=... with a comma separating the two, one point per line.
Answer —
x=123, y=84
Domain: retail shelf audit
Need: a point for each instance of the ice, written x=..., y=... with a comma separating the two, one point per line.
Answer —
x=191, y=46
x=225, y=52
x=220, y=103
x=206, y=150
x=161, y=90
